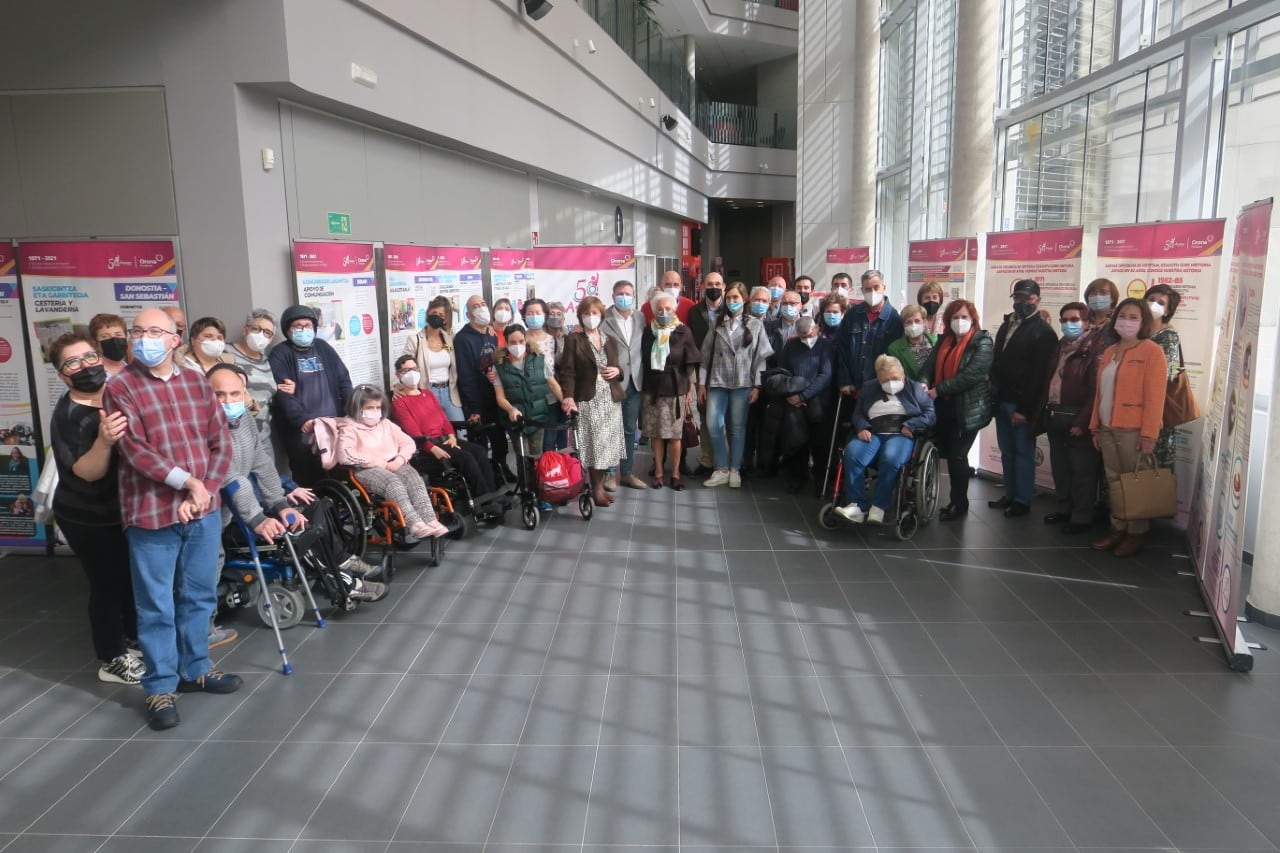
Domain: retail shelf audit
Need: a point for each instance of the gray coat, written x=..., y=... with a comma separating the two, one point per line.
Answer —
x=251, y=465
x=630, y=354
x=726, y=363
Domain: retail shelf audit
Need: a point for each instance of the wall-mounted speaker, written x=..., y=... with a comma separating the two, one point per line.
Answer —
x=536, y=9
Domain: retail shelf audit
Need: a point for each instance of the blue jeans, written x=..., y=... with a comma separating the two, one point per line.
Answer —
x=175, y=579
x=630, y=422
x=727, y=443
x=555, y=437
x=1017, y=455
x=451, y=411
x=893, y=452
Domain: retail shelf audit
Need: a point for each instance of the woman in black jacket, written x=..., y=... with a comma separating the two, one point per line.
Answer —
x=958, y=373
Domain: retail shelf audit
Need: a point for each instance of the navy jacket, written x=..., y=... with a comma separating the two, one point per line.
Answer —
x=860, y=342
x=813, y=364
x=288, y=408
x=919, y=405
x=474, y=352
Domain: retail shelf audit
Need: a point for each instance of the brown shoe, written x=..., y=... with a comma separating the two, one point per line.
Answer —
x=610, y=483
x=631, y=481
x=1111, y=540
x=1132, y=544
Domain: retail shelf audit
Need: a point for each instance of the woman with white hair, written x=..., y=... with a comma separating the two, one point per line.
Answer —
x=671, y=358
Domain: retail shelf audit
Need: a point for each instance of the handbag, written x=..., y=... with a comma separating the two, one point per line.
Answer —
x=1062, y=418
x=1145, y=492
x=1180, y=404
x=46, y=486
x=689, y=432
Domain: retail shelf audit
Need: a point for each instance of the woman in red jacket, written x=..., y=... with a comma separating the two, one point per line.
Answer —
x=1128, y=410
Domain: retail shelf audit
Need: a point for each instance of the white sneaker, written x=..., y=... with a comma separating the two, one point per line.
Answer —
x=120, y=670
x=735, y=480
x=875, y=515
x=719, y=478
x=851, y=512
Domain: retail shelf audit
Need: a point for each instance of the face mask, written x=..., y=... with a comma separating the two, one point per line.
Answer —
x=789, y=311
x=1157, y=310
x=410, y=378
x=480, y=316
x=435, y=321
x=89, y=379
x=734, y=307
x=961, y=326
x=1099, y=302
x=371, y=417
x=257, y=341
x=913, y=330
x=212, y=349
x=666, y=318
x=842, y=292
x=516, y=350
x=775, y=293
x=150, y=351
x=759, y=309
x=1023, y=310
x=713, y=294
x=804, y=298
x=1127, y=329
x=674, y=291
x=893, y=386
x=555, y=322
x=591, y=321
x=931, y=308
x=1072, y=329
x=303, y=338
x=831, y=318
x=809, y=342
x=873, y=297
x=535, y=321
x=234, y=411
x=623, y=302
x=115, y=348
x=502, y=315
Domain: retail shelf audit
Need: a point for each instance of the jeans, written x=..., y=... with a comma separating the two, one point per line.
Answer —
x=893, y=451
x=175, y=578
x=727, y=405
x=555, y=437
x=1017, y=455
x=104, y=553
x=630, y=422
x=451, y=411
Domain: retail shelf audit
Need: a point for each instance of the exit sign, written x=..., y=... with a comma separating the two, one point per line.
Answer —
x=339, y=223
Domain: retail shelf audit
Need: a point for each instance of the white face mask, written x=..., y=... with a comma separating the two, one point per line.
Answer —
x=913, y=330
x=893, y=386
x=212, y=349
x=410, y=378
x=371, y=416
x=591, y=321
x=961, y=325
x=842, y=291
x=873, y=297
x=674, y=291
x=502, y=315
x=257, y=341
x=810, y=341
x=480, y=316
x=517, y=350
x=1157, y=310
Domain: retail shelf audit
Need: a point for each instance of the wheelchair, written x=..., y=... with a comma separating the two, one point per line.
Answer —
x=270, y=577
x=364, y=519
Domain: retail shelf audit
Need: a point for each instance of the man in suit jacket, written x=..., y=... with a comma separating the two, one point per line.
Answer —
x=624, y=325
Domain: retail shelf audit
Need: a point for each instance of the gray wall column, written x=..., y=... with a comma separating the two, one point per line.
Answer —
x=974, y=142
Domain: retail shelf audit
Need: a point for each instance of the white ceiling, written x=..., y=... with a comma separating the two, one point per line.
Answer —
x=729, y=44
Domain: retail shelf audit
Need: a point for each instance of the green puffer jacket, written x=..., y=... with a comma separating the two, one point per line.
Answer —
x=901, y=350
x=971, y=386
x=526, y=388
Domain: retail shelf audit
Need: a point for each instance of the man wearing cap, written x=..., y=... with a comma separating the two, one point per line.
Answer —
x=312, y=382
x=1024, y=348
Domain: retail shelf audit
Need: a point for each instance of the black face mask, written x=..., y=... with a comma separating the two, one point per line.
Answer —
x=804, y=298
x=931, y=308
x=435, y=321
x=114, y=348
x=89, y=379
x=1023, y=309
x=713, y=294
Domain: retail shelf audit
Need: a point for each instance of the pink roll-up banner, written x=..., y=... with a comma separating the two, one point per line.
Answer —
x=1216, y=524
x=339, y=282
x=64, y=284
x=950, y=263
x=407, y=297
x=1052, y=258
x=853, y=260
x=511, y=275
x=569, y=274
x=21, y=471
x=1186, y=256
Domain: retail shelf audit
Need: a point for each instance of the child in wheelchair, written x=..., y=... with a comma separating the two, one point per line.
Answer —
x=890, y=412
x=378, y=453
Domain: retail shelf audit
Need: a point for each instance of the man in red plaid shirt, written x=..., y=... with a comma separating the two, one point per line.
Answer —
x=174, y=455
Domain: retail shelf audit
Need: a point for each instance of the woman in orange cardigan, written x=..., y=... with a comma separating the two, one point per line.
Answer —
x=1128, y=410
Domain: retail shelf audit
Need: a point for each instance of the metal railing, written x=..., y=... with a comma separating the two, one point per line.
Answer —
x=744, y=124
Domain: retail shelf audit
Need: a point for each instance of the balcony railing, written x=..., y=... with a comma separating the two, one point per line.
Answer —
x=744, y=124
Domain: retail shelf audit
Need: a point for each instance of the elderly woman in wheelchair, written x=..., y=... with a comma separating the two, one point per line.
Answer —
x=891, y=412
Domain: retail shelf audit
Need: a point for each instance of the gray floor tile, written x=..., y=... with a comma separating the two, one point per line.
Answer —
x=821, y=602
x=1103, y=649
x=710, y=648
x=43, y=777
x=634, y=796
x=640, y=710
x=716, y=711
x=1019, y=711
x=1248, y=776
x=645, y=650
x=1048, y=599
x=758, y=601
x=44, y=704
x=536, y=601
x=905, y=648
x=545, y=799
x=288, y=787
x=493, y=710
x=840, y=650
x=942, y=711
x=723, y=798
x=347, y=710
x=866, y=712
x=855, y=566
x=904, y=801
x=998, y=806
x=813, y=797
x=581, y=648
x=391, y=648
x=592, y=601
x=971, y=649
x=457, y=797
x=517, y=649
x=192, y=799
x=1172, y=710
x=648, y=602
x=419, y=709
x=566, y=709
x=791, y=712
x=775, y=649
x=877, y=602
x=454, y=648
x=1037, y=649
x=370, y=794
x=1096, y=712
x=55, y=843
x=934, y=601
x=704, y=601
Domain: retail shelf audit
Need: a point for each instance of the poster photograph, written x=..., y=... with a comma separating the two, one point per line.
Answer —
x=569, y=274
x=338, y=281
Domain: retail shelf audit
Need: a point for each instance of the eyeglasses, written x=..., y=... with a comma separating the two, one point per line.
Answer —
x=269, y=330
x=150, y=332
x=73, y=364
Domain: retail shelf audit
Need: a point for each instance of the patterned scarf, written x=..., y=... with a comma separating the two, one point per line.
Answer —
x=661, y=343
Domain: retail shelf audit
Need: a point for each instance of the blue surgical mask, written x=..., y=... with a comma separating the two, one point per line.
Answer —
x=303, y=337
x=234, y=411
x=758, y=309
x=535, y=321
x=1099, y=302
x=1072, y=330
x=789, y=311
x=623, y=302
x=831, y=318
x=775, y=293
x=150, y=351
x=734, y=307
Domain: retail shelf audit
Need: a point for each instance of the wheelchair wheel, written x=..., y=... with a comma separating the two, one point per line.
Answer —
x=349, y=522
x=927, y=484
x=288, y=605
x=529, y=516
x=586, y=506
x=907, y=525
x=827, y=516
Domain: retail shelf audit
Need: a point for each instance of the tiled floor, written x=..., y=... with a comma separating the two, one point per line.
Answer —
x=698, y=671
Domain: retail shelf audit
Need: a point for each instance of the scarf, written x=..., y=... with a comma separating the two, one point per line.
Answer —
x=661, y=343
x=950, y=351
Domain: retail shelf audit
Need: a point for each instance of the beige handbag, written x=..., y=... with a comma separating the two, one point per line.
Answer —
x=1150, y=492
